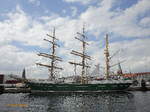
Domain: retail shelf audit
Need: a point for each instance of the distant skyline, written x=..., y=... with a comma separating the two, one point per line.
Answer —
x=25, y=23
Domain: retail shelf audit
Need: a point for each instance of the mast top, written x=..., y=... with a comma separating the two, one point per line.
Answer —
x=107, y=40
x=54, y=32
x=83, y=28
x=52, y=36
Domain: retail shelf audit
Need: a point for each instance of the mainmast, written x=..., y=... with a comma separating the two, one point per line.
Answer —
x=51, y=56
x=83, y=55
x=106, y=52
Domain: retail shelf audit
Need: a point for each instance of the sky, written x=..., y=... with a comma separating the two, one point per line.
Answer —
x=25, y=23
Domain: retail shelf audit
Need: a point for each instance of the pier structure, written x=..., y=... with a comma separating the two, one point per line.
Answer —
x=138, y=76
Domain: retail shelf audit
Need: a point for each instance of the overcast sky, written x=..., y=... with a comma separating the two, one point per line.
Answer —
x=25, y=23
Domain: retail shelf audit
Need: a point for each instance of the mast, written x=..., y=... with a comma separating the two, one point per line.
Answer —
x=83, y=55
x=119, y=69
x=108, y=58
x=106, y=52
x=24, y=74
x=51, y=56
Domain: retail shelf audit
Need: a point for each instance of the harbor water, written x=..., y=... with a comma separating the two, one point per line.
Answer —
x=135, y=101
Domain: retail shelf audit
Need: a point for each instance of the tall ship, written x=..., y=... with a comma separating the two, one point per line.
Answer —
x=80, y=83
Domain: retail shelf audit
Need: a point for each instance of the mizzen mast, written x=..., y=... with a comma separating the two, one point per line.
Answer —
x=51, y=56
x=106, y=52
x=82, y=54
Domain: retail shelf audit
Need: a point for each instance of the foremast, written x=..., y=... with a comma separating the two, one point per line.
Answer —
x=83, y=55
x=52, y=67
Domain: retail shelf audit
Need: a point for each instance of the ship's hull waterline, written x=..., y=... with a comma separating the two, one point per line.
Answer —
x=46, y=87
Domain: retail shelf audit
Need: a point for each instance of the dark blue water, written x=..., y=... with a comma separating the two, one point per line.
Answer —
x=89, y=102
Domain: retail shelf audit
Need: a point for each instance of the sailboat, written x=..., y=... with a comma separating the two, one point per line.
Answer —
x=83, y=84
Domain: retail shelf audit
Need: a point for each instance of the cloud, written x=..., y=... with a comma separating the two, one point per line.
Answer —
x=135, y=53
x=124, y=23
x=128, y=23
x=145, y=22
x=74, y=11
x=64, y=11
x=80, y=1
x=35, y=2
x=15, y=59
x=21, y=27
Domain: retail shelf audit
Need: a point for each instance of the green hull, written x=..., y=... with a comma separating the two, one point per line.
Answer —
x=47, y=87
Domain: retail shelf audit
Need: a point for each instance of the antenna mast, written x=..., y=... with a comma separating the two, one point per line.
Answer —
x=83, y=55
x=51, y=56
